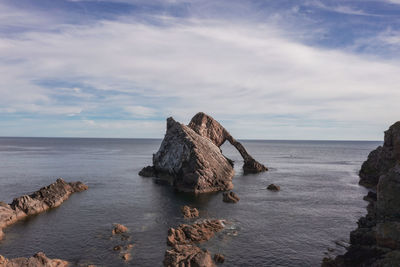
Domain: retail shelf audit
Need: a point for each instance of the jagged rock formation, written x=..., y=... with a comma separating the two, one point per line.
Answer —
x=230, y=197
x=189, y=212
x=382, y=159
x=207, y=127
x=183, y=241
x=38, y=260
x=376, y=241
x=47, y=197
x=190, y=158
x=274, y=187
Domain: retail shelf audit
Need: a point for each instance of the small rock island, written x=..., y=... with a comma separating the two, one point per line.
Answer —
x=190, y=157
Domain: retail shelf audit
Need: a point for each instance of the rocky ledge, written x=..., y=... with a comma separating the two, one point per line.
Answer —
x=46, y=198
x=38, y=260
x=190, y=157
x=376, y=241
x=183, y=241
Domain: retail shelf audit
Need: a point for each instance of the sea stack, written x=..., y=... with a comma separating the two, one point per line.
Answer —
x=191, y=160
x=376, y=241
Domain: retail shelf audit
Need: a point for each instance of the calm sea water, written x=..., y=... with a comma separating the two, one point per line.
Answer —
x=318, y=205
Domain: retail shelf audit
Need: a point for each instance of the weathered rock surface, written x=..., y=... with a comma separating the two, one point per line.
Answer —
x=189, y=212
x=38, y=260
x=219, y=258
x=190, y=158
x=206, y=126
x=46, y=198
x=184, y=252
x=119, y=229
x=376, y=241
x=381, y=159
x=273, y=187
x=230, y=197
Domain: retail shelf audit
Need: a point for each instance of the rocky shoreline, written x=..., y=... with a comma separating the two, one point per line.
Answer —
x=376, y=241
x=45, y=198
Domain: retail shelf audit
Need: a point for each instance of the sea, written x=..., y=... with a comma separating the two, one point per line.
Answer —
x=310, y=218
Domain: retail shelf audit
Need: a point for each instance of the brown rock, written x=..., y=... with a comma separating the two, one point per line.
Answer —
x=117, y=248
x=47, y=197
x=219, y=258
x=189, y=212
x=273, y=187
x=38, y=260
x=206, y=126
x=230, y=197
x=119, y=229
x=127, y=256
x=187, y=255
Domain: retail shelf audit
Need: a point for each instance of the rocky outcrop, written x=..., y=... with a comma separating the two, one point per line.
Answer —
x=190, y=158
x=376, y=241
x=381, y=159
x=46, y=198
x=189, y=212
x=206, y=126
x=219, y=258
x=38, y=260
x=230, y=197
x=273, y=187
x=183, y=241
x=119, y=229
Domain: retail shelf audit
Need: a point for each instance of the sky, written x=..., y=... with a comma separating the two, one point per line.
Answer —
x=287, y=69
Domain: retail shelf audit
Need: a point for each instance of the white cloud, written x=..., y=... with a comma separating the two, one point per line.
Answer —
x=230, y=70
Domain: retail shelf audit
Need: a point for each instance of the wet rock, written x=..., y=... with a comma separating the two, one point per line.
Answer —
x=119, y=229
x=219, y=258
x=230, y=197
x=198, y=232
x=117, y=248
x=189, y=212
x=187, y=255
x=388, y=195
x=273, y=187
x=381, y=159
x=38, y=260
x=126, y=256
x=47, y=197
x=148, y=171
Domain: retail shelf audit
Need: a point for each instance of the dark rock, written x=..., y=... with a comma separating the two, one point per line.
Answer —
x=126, y=256
x=117, y=248
x=382, y=159
x=47, y=197
x=273, y=187
x=189, y=212
x=388, y=192
x=219, y=258
x=230, y=197
x=38, y=260
x=148, y=171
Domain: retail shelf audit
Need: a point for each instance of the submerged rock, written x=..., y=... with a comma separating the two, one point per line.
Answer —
x=47, y=197
x=187, y=255
x=273, y=187
x=219, y=258
x=119, y=229
x=190, y=158
x=189, y=212
x=38, y=260
x=230, y=197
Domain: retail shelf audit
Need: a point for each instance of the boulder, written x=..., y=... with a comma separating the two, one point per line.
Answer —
x=230, y=197
x=119, y=229
x=187, y=255
x=381, y=159
x=47, y=197
x=219, y=258
x=38, y=260
x=193, y=162
x=273, y=187
x=189, y=212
